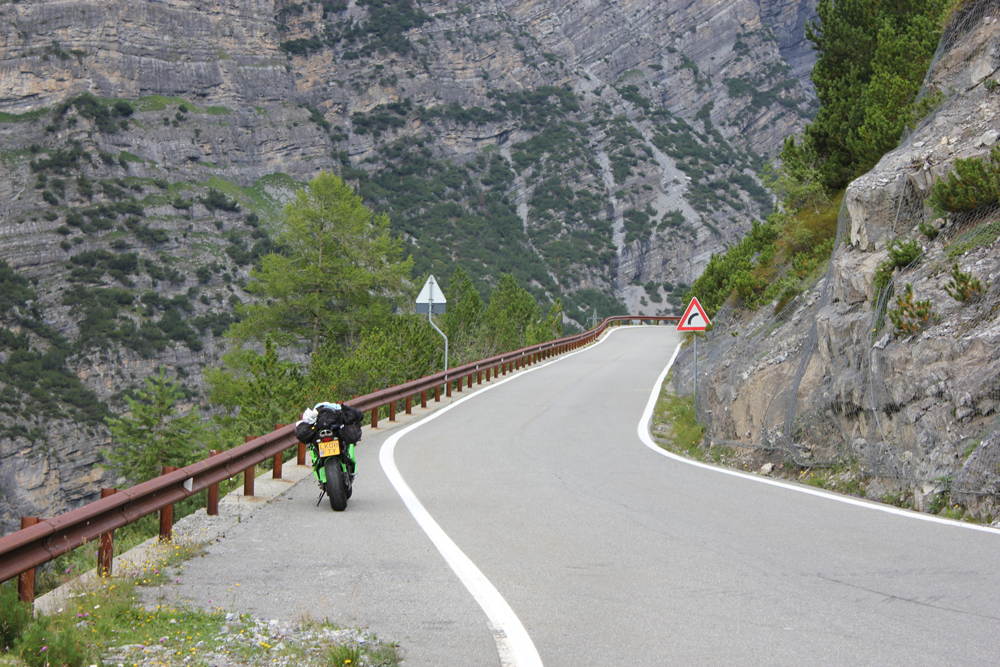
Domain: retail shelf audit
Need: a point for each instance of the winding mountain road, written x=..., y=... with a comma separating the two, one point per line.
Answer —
x=607, y=551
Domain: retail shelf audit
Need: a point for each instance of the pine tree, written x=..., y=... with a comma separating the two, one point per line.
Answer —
x=872, y=57
x=152, y=435
x=339, y=271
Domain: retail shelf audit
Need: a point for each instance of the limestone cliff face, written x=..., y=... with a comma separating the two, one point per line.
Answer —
x=635, y=164
x=829, y=378
x=225, y=50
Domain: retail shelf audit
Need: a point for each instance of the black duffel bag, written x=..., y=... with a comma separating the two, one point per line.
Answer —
x=350, y=432
x=306, y=432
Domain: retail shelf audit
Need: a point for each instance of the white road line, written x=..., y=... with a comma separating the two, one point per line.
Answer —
x=643, y=430
x=514, y=645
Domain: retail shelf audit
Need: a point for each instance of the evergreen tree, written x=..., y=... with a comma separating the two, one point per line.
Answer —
x=548, y=328
x=509, y=316
x=462, y=322
x=257, y=390
x=152, y=435
x=872, y=57
x=339, y=271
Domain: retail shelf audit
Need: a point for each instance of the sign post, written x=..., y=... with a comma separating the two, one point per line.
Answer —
x=431, y=300
x=695, y=320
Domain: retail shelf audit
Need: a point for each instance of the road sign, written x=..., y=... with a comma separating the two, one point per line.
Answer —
x=694, y=318
x=431, y=299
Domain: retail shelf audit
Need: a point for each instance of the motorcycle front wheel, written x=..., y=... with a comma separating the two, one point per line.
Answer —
x=335, y=484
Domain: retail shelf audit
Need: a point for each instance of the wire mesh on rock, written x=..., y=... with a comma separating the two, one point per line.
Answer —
x=831, y=378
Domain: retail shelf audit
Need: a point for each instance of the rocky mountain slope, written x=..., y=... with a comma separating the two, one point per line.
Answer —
x=899, y=390
x=599, y=151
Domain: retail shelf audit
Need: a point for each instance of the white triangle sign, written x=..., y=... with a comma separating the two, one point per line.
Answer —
x=431, y=299
x=431, y=292
x=694, y=318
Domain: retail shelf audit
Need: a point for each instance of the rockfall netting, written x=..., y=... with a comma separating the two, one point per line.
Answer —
x=898, y=376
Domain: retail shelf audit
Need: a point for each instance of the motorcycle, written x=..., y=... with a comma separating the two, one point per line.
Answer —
x=330, y=432
x=333, y=467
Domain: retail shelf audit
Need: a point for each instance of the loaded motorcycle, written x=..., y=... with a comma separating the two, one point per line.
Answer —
x=330, y=432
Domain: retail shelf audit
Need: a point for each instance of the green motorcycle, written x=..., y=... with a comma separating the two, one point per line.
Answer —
x=333, y=467
x=330, y=432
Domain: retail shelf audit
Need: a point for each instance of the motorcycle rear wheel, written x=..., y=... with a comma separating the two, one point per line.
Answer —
x=335, y=484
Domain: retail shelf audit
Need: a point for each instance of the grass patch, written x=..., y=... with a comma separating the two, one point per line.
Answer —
x=977, y=237
x=125, y=156
x=69, y=566
x=161, y=102
x=675, y=423
x=263, y=196
x=841, y=478
x=25, y=117
x=106, y=623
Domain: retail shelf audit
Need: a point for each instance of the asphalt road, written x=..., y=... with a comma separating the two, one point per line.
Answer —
x=607, y=552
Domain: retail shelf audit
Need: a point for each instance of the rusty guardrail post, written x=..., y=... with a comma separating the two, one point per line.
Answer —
x=26, y=580
x=447, y=389
x=479, y=377
x=375, y=417
x=459, y=383
x=392, y=411
x=106, y=548
x=249, y=473
x=423, y=399
x=437, y=394
x=212, y=506
x=278, y=459
x=409, y=405
x=167, y=513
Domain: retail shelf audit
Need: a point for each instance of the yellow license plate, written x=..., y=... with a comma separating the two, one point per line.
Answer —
x=331, y=448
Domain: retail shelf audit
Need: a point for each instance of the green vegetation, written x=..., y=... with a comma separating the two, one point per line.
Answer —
x=872, y=59
x=631, y=94
x=36, y=379
x=773, y=261
x=904, y=253
x=683, y=434
x=162, y=103
x=342, y=271
x=106, y=622
x=153, y=435
x=964, y=287
x=621, y=134
x=386, y=28
x=302, y=46
x=215, y=200
x=973, y=184
x=703, y=157
x=977, y=237
x=909, y=317
x=359, y=346
x=26, y=117
x=108, y=118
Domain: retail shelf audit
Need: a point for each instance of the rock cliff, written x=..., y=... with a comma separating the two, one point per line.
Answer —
x=600, y=151
x=908, y=403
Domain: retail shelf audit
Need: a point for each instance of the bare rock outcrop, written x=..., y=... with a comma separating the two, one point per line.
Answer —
x=912, y=404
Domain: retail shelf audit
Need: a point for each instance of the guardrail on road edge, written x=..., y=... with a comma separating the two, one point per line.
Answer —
x=47, y=539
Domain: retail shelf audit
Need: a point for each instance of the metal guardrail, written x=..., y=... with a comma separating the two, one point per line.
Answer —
x=22, y=551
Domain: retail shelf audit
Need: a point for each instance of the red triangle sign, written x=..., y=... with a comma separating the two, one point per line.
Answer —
x=694, y=318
